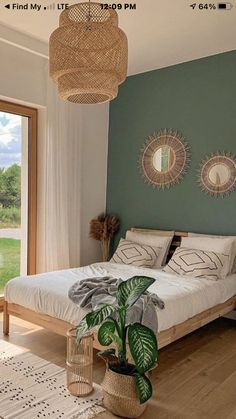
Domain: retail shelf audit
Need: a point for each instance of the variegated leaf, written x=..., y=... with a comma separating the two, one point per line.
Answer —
x=105, y=333
x=129, y=291
x=81, y=329
x=98, y=316
x=143, y=387
x=110, y=351
x=143, y=346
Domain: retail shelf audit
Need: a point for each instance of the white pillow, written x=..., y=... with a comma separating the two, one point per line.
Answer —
x=163, y=242
x=221, y=246
x=135, y=254
x=197, y=263
x=214, y=236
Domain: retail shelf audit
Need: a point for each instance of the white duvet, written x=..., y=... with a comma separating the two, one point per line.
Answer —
x=184, y=297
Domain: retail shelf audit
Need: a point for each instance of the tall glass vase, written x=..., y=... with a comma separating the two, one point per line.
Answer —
x=79, y=364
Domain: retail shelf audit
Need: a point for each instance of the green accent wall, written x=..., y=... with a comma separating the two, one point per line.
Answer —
x=197, y=98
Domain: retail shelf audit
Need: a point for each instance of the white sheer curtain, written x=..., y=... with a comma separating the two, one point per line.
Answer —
x=59, y=190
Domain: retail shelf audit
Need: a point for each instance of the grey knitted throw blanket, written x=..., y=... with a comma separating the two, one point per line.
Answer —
x=92, y=292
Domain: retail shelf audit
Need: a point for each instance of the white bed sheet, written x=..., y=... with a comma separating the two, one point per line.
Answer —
x=184, y=297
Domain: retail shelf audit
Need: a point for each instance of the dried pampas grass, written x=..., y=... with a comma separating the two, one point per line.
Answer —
x=103, y=228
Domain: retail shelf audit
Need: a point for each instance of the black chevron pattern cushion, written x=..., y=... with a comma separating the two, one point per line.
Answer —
x=197, y=263
x=135, y=254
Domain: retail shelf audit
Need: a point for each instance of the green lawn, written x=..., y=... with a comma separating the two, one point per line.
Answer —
x=9, y=225
x=10, y=217
x=9, y=260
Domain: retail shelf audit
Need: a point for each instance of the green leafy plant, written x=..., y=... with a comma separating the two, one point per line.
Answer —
x=115, y=331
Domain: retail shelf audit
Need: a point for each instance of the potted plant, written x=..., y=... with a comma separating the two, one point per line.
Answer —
x=103, y=229
x=126, y=385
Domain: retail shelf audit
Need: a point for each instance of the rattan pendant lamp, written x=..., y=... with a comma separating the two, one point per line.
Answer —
x=88, y=54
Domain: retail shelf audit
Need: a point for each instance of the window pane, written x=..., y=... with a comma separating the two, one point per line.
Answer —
x=13, y=196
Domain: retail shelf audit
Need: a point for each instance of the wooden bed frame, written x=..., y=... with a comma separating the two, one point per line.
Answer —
x=164, y=338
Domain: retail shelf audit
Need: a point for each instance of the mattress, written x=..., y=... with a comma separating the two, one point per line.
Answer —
x=184, y=297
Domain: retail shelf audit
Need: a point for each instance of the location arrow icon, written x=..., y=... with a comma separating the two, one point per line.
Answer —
x=7, y=6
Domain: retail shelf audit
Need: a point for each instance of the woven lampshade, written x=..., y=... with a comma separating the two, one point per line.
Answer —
x=88, y=54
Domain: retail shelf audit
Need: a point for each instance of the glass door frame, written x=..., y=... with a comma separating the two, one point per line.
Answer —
x=32, y=115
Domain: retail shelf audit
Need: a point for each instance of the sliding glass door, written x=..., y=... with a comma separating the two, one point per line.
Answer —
x=18, y=127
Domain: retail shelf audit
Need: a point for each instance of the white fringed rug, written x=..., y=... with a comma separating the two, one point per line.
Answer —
x=32, y=388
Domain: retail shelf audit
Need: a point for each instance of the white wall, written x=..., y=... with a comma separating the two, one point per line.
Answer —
x=23, y=80
x=94, y=174
x=22, y=75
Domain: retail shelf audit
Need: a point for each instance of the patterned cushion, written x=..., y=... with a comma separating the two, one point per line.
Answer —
x=232, y=259
x=197, y=263
x=153, y=240
x=223, y=246
x=131, y=253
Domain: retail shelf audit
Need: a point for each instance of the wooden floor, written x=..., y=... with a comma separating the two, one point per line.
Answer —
x=195, y=379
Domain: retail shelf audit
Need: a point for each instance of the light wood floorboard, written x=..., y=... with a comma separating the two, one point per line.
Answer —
x=195, y=378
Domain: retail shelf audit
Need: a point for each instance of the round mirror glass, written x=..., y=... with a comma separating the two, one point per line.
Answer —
x=219, y=174
x=163, y=158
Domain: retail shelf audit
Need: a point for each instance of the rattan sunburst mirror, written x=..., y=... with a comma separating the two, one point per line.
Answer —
x=164, y=158
x=217, y=174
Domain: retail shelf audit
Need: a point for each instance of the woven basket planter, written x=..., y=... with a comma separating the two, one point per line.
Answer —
x=88, y=54
x=119, y=395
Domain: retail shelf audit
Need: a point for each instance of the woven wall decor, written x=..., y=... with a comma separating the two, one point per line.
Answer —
x=88, y=54
x=217, y=174
x=164, y=159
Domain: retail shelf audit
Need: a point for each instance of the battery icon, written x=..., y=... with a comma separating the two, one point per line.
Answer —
x=225, y=6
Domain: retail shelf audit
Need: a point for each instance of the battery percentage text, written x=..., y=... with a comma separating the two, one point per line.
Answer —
x=211, y=6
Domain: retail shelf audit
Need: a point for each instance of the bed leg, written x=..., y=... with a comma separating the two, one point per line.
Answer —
x=5, y=319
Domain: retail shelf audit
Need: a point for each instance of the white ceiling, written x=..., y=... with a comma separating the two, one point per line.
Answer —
x=160, y=32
